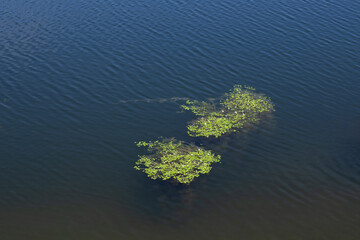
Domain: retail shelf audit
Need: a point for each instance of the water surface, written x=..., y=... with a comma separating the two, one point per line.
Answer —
x=75, y=82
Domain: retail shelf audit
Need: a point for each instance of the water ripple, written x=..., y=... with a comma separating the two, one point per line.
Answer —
x=81, y=81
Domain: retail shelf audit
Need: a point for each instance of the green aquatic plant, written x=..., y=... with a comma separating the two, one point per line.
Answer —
x=236, y=109
x=171, y=159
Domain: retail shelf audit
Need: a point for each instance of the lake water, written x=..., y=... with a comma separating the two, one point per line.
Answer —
x=81, y=81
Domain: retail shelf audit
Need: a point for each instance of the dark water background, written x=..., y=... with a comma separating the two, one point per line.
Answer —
x=67, y=129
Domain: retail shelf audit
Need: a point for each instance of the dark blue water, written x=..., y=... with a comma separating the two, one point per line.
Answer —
x=81, y=81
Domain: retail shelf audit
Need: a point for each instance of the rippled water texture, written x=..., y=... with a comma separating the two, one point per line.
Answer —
x=81, y=81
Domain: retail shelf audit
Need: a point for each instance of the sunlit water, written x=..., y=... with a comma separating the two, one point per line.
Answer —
x=81, y=81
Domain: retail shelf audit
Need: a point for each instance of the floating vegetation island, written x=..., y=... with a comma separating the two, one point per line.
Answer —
x=236, y=109
x=171, y=159
x=177, y=161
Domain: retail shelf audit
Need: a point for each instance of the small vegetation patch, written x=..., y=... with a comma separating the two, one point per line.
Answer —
x=171, y=159
x=236, y=109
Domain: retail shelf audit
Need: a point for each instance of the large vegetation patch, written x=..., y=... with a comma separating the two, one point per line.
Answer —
x=236, y=109
x=175, y=160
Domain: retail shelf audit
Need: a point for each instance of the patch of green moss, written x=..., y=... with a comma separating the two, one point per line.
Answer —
x=236, y=109
x=171, y=159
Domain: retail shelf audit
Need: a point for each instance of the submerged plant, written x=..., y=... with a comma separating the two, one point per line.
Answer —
x=171, y=159
x=236, y=109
